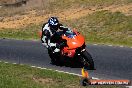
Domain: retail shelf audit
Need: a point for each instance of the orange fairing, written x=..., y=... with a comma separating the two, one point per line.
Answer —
x=75, y=42
x=67, y=52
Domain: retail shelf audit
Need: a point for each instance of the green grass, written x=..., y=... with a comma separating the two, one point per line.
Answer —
x=28, y=33
x=16, y=76
x=22, y=76
x=105, y=27
x=100, y=27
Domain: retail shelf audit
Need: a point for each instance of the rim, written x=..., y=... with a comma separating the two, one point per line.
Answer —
x=85, y=63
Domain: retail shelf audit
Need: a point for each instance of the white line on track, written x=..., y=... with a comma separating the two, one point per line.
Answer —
x=121, y=46
x=62, y=71
x=110, y=45
x=128, y=86
x=57, y=70
x=14, y=63
x=6, y=62
x=95, y=44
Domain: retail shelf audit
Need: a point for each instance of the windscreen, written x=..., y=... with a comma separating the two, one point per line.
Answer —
x=70, y=33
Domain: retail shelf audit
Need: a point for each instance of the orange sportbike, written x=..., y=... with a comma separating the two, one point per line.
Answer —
x=72, y=50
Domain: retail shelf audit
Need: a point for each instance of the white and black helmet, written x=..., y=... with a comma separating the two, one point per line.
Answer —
x=53, y=23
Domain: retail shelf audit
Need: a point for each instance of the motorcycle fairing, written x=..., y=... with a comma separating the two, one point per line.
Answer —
x=75, y=42
x=69, y=53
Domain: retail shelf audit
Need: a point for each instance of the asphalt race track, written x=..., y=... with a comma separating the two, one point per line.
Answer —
x=111, y=62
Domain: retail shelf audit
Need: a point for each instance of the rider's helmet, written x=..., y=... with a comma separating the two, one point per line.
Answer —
x=53, y=23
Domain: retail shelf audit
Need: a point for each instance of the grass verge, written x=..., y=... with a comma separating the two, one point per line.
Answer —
x=27, y=33
x=22, y=76
x=100, y=27
x=105, y=27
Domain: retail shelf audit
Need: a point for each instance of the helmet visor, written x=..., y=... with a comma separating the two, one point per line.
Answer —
x=54, y=27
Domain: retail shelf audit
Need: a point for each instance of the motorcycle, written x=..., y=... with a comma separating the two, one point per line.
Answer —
x=72, y=50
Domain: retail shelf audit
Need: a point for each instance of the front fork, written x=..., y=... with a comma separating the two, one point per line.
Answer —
x=81, y=52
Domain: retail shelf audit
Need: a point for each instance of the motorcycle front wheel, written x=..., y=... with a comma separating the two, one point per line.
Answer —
x=87, y=61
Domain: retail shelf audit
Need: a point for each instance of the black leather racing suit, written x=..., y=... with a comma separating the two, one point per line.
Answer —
x=47, y=33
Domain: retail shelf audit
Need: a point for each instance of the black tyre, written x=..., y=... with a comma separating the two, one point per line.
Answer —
x=55, y=58
x=87, y=61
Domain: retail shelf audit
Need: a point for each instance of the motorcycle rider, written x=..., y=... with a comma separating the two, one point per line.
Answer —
x=48, y=31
